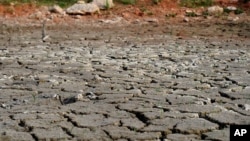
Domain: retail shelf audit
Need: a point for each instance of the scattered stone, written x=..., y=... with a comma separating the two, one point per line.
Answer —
x=3, y=105
x=82, y=9
x=231, y=8
x=234, y=19
x=152, y=20
x=56, y=9
x=246, y=107
x=186, y=19
x=81, y=2
x=104, y=4
x=91, y=96
x=73, y=99
x=111, y=21
x=97, y=78
x=215, y=10
x=56, y=96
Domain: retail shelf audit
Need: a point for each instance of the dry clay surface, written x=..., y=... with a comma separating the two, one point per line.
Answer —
x=141, y=81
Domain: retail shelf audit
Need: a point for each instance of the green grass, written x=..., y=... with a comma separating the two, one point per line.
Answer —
x=191, y=14
x=196, y=3
x=107, y=5
x=62, y=3
x=131, y=2
x=237, y=11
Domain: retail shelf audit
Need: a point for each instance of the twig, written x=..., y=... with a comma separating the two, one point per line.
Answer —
x=44, y=36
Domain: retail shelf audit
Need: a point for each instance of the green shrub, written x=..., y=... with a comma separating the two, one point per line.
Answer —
x=191, y=14
x=238, y=11
x=196, y=3
x=127, y=1
x=62, y=3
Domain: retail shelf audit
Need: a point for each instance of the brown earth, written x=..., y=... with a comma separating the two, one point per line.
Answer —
x=142, y=9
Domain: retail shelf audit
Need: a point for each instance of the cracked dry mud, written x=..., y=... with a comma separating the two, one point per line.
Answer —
x=149, y=83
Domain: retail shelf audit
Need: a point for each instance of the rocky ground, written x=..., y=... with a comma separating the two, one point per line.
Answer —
x=140, y=80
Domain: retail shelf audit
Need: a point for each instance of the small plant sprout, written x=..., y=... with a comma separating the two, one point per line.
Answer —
x=107, y=5
x=34, y=94
x=128, y=1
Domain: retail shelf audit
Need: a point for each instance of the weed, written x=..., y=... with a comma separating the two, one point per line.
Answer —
x=62, y=3
x=132, y=2
x=107, y=6
x=171, y=15
x=226, y=10
x=191, y=14
x=238, y=11
x=146, y=11
x=6, y=2
x=205, y=13
x=34, y=97
x=156, y=1
x=88, y=1
x=196, y=3
x=143, y=9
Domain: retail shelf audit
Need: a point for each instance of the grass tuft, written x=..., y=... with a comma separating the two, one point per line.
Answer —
x=196, y=3
x=129, y=2
x=62, y=3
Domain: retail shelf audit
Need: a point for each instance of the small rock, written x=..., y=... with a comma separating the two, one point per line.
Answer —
x=45, y=38
x=25, y=101
x=56, y=9
x=189, y=11
x=215, y=10
x=3, y=105
x=103, y=4
x=186, y=19
x=246, y=107
x=81, y=9
x=91, y=95
x=80, y=97
x=234, y=19
x=112, y=21
x=56, y=96
x=97, y=78
x=152, y=20
x=81, y=2
x=231, y=8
